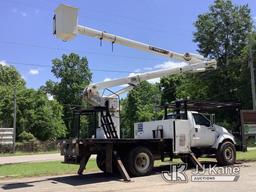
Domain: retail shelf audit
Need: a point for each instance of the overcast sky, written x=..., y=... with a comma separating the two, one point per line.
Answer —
x=26, y=39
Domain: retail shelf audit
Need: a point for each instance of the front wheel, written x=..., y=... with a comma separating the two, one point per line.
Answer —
x=226, y=154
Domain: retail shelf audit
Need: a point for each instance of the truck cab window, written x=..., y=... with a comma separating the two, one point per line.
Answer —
x=201, y=120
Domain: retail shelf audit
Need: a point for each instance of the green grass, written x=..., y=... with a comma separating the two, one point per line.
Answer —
x=58, y=168
x=247, y=156
x=41, y=169
x=20, y=153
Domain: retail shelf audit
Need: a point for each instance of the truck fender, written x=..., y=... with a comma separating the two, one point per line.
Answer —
x=221, y=138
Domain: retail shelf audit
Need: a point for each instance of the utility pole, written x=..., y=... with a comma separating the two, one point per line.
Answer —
x=252, y=73
x=14, y=118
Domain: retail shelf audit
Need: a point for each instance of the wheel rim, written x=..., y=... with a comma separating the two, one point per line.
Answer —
x=142, y=162
x=228, y=153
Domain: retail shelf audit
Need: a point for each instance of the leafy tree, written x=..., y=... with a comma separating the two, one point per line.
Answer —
x=39, y=116
x=141, y=105
x=6, y=106
x=35, y=113
x=73, y=76
x=169, y=87
x=221, y=33
x=9, y=76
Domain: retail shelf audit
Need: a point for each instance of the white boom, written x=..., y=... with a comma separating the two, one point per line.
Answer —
x=92, y=90
x=102, y=35
x=66, y=28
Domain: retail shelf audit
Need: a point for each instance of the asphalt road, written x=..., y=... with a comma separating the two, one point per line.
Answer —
x=100, y=182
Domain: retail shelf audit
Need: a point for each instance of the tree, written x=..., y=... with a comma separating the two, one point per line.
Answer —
x=39, y=116
x=35, y=113
x=10, y=77
x=74, y=75
x=140, y=105
x=169, y=87
x=222, y=33
x=6, y=106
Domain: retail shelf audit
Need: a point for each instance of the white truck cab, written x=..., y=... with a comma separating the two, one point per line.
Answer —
x=204, y=133
x=192, y=132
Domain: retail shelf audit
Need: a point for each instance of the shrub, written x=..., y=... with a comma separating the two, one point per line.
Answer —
x=26, y=136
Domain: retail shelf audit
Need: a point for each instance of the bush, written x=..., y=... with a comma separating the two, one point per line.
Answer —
x=251, y=141
x=36, y=146
x=26, y=136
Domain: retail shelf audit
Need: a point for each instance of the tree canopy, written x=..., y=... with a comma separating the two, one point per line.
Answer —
x=221, y=33
x=35, y=113
x=73, y=76
x=142, y=104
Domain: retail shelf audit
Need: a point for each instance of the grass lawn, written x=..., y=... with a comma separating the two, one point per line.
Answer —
x=247, y=156
x=40, y=169
x=20, y=153
x=58, y=168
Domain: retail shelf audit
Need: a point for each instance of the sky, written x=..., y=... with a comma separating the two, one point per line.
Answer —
x=27, y=42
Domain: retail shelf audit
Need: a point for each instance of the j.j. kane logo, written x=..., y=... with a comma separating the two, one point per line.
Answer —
x=213, y=173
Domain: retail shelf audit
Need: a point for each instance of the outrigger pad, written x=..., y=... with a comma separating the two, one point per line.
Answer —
x=195, y=161
x=121, y=168
x=83, y=163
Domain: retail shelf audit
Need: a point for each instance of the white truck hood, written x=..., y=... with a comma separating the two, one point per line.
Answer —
x=222, y=130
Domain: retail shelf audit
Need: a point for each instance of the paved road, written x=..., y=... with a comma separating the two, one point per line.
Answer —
x=32, y=158
x=99, y=182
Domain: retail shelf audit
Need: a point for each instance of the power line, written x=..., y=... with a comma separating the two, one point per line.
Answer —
x=73, y=50
x=47, y=66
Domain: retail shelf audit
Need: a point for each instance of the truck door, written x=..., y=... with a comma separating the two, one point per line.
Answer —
x=204, y=134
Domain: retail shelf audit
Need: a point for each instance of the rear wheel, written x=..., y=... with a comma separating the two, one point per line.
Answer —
x=140, y=161
x=100, y=160
x=101, y=163
x=226, y=154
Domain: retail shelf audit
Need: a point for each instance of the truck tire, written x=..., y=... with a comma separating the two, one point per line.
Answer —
x=226, y=154
x=140, y=161
x=100, y=160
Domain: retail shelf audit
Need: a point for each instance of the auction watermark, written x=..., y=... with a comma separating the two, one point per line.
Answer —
x=211, y=173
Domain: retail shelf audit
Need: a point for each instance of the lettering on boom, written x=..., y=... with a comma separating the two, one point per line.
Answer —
x=159, y=50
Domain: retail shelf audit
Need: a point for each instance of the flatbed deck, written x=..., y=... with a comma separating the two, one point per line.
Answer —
x=119, y=141
x=74, y=149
